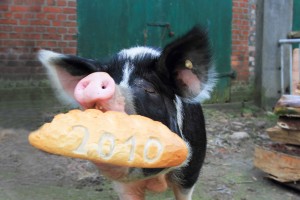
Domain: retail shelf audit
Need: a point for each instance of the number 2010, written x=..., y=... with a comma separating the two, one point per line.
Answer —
x=108, y=138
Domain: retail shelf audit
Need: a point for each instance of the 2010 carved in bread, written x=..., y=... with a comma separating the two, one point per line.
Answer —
x=111, y=137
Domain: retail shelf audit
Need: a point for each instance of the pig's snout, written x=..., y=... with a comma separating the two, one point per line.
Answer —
x=94, y=90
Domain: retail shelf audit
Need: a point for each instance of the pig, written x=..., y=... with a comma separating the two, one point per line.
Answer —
x=166, y=85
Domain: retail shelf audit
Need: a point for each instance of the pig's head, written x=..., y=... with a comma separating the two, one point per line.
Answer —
x=138, y=80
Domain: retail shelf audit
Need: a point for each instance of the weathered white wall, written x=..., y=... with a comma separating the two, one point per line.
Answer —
x=274, y=22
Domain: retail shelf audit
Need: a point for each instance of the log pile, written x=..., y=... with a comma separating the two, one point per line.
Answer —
x=281, y=157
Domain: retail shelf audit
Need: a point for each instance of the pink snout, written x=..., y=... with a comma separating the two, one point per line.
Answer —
x=95, y=89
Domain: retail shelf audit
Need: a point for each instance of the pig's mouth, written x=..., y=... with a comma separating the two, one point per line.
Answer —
x=99, y=108
x=109, y=105
x=115, y=102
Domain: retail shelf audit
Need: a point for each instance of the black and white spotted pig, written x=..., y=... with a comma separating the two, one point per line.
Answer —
x=166, y=86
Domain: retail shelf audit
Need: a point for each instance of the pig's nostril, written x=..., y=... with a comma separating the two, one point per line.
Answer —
x=103, y=87
x=85, y=84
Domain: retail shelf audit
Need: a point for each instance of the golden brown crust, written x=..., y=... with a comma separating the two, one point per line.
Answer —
x=111, y=137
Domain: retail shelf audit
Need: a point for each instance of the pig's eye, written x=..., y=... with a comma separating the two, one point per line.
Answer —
x=147, y=87
x=150, y=90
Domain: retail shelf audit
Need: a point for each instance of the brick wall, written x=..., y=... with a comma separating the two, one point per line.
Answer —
x=29, y=25
x=243, y=38
x=240, y=32
x=252, y=37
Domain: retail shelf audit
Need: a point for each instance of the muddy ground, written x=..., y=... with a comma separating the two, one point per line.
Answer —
x=228, y=172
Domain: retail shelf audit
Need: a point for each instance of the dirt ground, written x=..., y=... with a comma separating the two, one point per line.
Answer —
x=228, y=173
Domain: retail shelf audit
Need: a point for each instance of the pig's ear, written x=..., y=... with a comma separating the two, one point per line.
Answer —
x=187, y=63
x=65, y=71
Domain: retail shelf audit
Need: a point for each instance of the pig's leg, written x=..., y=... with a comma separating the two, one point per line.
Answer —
x=181, y=193
x=130, y=191
x=136, y=190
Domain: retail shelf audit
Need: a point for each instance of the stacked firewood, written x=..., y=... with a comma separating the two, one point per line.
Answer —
x=280, y=158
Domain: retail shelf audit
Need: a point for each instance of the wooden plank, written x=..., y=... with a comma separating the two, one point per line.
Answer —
x=285, y=136
x=294, y=35
x=280, y=166
x=298, y=89
x=290, y=123
x=293, y=185
x=295, y=74
x=288, y=105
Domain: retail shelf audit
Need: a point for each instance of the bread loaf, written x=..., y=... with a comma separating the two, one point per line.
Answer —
x=111, y=137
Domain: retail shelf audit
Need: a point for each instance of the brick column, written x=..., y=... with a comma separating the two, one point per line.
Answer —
x=240, y=35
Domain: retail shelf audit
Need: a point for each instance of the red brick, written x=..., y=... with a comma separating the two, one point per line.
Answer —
x=18, y=2
x=69, y=10
x=3, y=7
x=40, y=22
x=51, y=30
x=6, y=28
x=40, y=29
x=50, y=2
x=69, y=50
x=4, y=35
x=56, y=23
x=29, y=15
x=62, y=30
x=18, y=15
x=72, y=44
x=52, y=37
x=243, y=5
x=72, y=4
x=51, y=16
x=245, y=23
x=19, y=29
x=13, y=42
x=62, y=44
x=70, y=24
x=52, y=44
x=15, y=35
x=61, y=3
x=41, y=16
x=7, y=15
x=29, y=29
x=235, y=63
x=61, y=17
x=8, y=21
x=52, y=9
x=235, y=16
x=35, y=8
x=19, y=8
x=236, y=42
x=69, y=37
x=246, y=32
x=33, y=36
x=237, y=10
x=72, y=17
x=235, y=4
x=41, y=43
x=24, y=22
x=72, y=30
x=237, y=21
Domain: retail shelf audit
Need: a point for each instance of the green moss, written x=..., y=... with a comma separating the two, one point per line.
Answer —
x=241, y=92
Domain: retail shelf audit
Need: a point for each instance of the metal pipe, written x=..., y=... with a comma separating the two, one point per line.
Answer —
x=281, y=69
x=299, y=59
x=289, y=41
x=281, y=43
x=298, y=64
x=291, y=68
